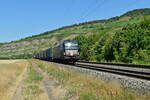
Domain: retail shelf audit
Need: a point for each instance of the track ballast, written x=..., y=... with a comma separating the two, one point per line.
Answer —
x=135, y=71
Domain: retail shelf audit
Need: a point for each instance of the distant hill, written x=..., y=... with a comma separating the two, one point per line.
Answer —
x=138, y=12
x=27, y=47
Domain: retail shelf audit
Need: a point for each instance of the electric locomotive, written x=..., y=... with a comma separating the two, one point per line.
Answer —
x=66, y=51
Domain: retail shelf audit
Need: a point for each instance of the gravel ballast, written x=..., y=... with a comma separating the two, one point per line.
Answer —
x=126, y=82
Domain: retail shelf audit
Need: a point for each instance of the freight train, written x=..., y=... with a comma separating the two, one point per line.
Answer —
x=66, y=51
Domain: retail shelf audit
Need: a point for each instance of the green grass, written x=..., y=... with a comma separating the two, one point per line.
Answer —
x=116, y=24
x=32, y=89
x=89, y=96
x=60, y=75
x=33, y=76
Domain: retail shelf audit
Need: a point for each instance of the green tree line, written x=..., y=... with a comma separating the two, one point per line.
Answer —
x=130, y=45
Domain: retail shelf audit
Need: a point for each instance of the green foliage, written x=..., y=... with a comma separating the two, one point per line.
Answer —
x=131, y=44
x=86, y=46
x=83, y=46
x=1, y=44
x=108, y=49
x=99, y=48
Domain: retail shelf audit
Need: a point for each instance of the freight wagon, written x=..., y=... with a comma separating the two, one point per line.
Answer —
x=65, y=51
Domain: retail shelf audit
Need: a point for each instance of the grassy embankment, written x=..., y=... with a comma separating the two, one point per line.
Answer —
x=10, y=70
x=85, y=87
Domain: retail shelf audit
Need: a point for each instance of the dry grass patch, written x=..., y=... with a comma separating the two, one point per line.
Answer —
x=7, y=62
x=126, y=18
x=32, y=92
x=32, y=85
x=9, y=71
x=85, y=87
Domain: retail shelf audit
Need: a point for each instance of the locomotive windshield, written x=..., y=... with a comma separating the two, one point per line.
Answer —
x=71, y=45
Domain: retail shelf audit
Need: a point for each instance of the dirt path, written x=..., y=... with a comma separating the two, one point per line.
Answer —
x=19, y=84
x=54, y=91
x=48, y=84
x=51, y=89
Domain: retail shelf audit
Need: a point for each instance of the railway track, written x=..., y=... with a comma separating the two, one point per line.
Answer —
x=136, y=71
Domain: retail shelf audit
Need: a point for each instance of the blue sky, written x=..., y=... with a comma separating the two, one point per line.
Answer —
x=22, y=18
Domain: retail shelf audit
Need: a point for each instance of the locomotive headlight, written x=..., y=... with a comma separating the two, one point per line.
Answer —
x=68, y=44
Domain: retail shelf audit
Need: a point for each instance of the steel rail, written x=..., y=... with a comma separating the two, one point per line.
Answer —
x=123, y=70
x=123, y=65
x=118, y=69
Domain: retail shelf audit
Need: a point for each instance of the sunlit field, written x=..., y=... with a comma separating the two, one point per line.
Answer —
x=41, y=80
x=80, y=86
x=10, y=70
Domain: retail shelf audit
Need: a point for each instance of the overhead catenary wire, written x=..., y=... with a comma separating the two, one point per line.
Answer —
x=93, y=6
x=89, y=7
x=130, y=4
x=99, y=4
